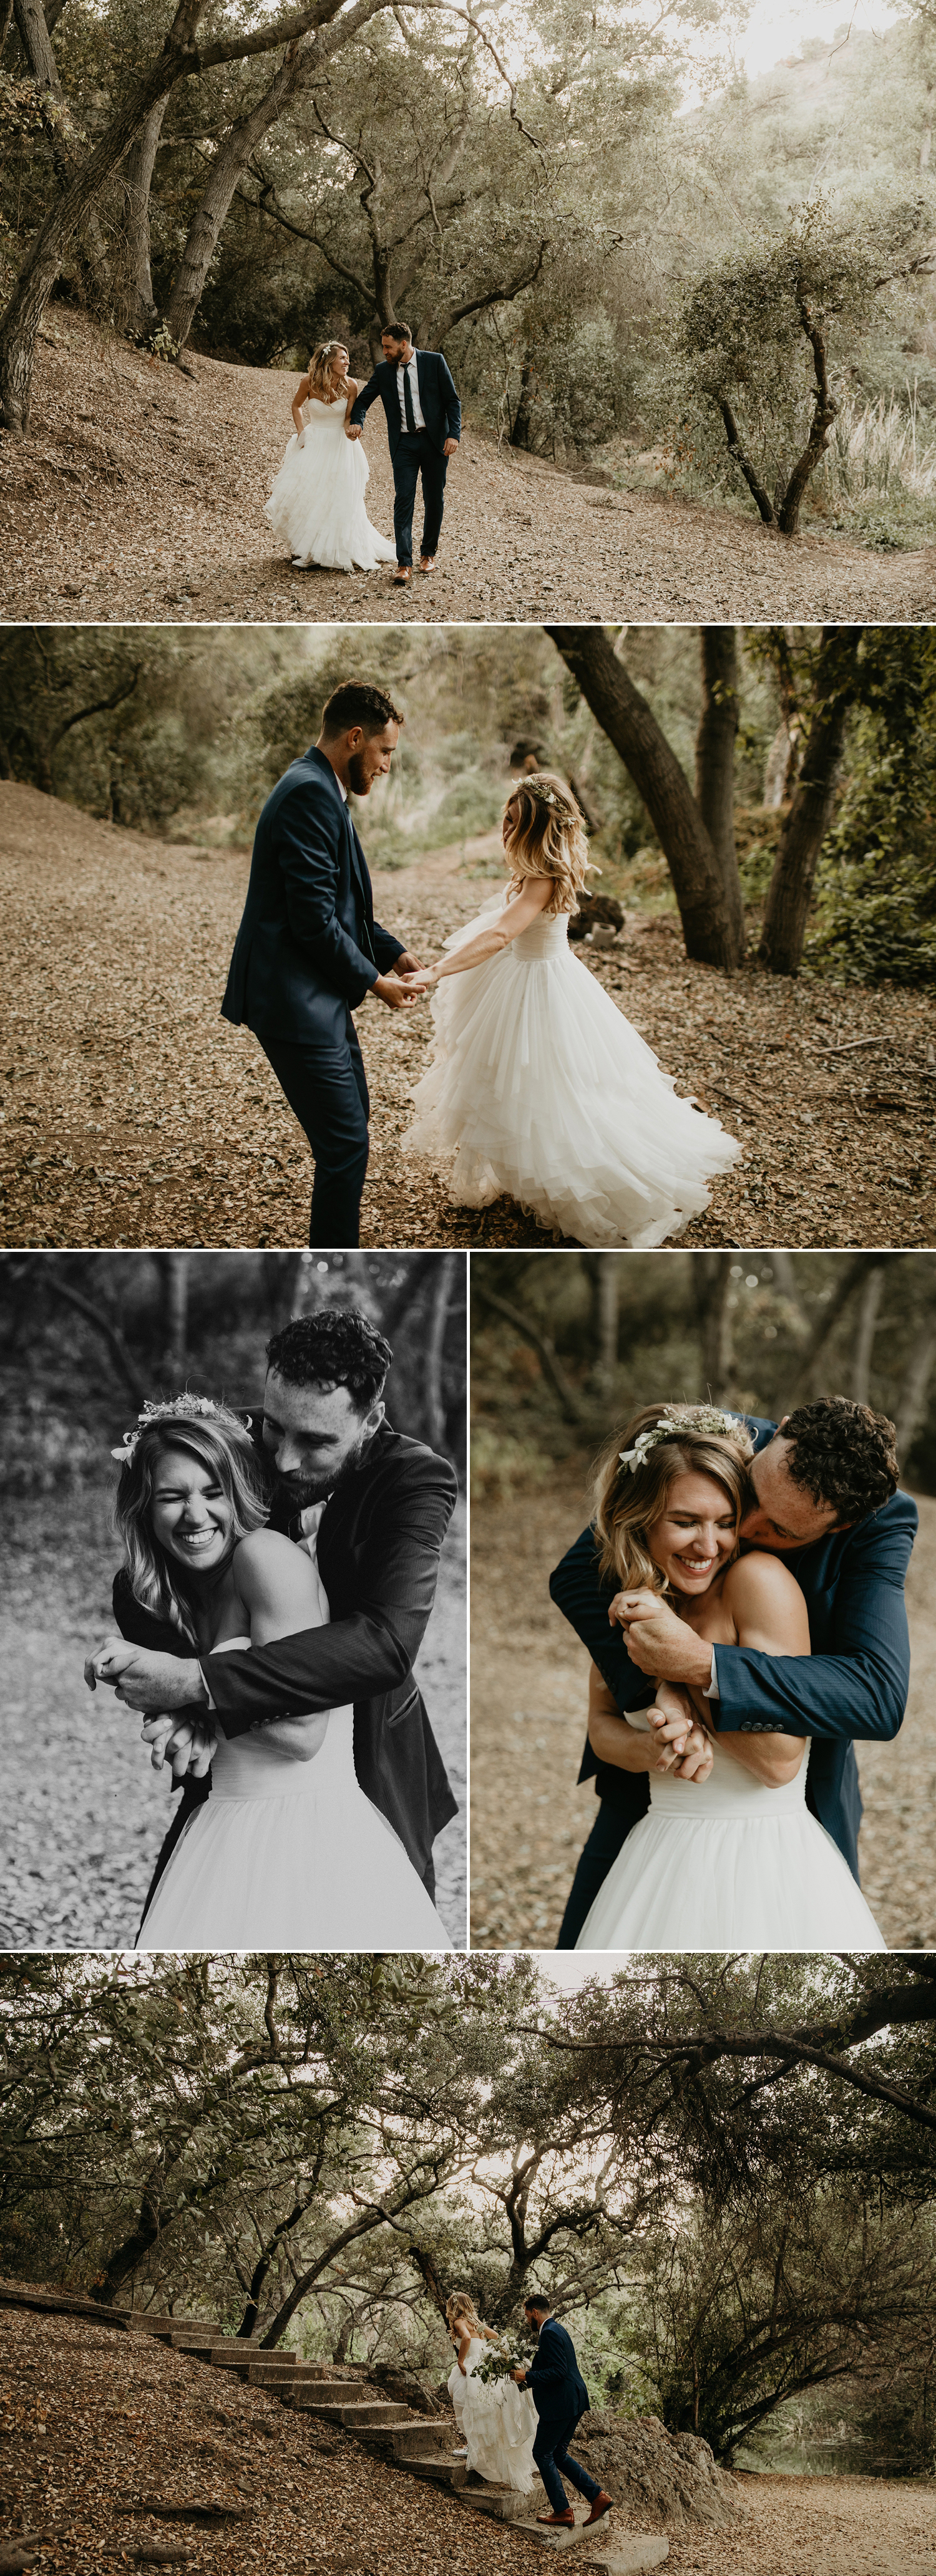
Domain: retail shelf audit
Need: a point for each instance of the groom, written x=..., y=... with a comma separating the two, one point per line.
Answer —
x=823, y=1495
x=560, y=2398
x=374, y=1506
x=308, y=950
x=424, y=427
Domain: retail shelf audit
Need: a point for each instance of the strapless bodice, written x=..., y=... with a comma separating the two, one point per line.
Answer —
x=730, y=1793
x=547, y=937
x=318, y=415
x=251, y=1766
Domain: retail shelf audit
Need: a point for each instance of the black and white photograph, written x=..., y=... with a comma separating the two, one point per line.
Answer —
x=233, y=1495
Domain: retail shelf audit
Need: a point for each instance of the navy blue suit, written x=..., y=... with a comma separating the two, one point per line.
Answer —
x=852, y=1688
x=415, y=452
x=560, y=2398
x=307, y=952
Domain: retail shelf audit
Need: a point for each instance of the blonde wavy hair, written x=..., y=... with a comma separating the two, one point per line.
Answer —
x=629, y=1502
x=549, y=840
x=319, y=363
x=219, y=1442
x=460, y=2310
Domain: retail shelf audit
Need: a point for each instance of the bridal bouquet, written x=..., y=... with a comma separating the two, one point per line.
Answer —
x=500, y=2361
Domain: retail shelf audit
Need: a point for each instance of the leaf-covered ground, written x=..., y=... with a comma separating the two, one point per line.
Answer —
x=139, y=495
x=133, y=1114
x=529, y=1690
x=83, y=1812
x=97, y=2425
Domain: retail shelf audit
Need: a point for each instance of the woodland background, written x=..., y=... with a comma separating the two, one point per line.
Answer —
x=786, y=772
x=638, y=260
x=86, y=1338
x=721, y=2171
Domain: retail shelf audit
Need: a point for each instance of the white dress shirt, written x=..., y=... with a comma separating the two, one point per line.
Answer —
x=409, y=370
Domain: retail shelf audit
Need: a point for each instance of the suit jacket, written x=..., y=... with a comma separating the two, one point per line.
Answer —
x=379, y=1542
x=558, y=2389
x=308, y=948
x=438, y=400
x=853, y=1688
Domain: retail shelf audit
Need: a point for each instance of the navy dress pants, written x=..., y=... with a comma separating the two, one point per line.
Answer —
x=552, y=2455
x=417, y=456
x=607, y=1837
x=326, y=1087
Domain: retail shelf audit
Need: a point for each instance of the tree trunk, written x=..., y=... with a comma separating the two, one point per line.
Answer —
x=227, y=168
x=434, y=1400
x=708, y=909
x=712, y=1282
x=823, y=416
x=715, y=743
x=522, y=420
x=609, y=1285
x=867, y=1326
x=745, y=467
x=140, y=310
x=788, y=899
x=778, y=770
x=175, y=1282
x=913, y=1394
x=850, y=1276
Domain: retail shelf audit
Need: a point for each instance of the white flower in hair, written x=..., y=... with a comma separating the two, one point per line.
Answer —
x=181, y=1409
x=705, y=1419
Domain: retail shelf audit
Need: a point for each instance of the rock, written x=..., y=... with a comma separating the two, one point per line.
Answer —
x=596, y=911
x=671, y=2475
x=627, y=2555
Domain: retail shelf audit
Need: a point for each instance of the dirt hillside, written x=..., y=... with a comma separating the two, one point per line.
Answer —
x=133, y=1114
x=139, y=494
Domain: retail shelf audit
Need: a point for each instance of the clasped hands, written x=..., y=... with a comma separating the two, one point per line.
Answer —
x=154, y=1685
x=663, y=1646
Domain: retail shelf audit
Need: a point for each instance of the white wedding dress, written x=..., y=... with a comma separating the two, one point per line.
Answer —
x=288, y=1854
x=498, y=2422
x=316, y=507
x=729, y=1865
x=542, y=1090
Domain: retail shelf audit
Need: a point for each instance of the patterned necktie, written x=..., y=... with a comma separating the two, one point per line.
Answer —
x=408, y=402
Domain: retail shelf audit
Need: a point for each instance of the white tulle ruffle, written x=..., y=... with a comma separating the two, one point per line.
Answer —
x=316, y=507
x=542, y=1090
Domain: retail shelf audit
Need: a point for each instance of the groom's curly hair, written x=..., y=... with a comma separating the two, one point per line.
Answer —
x=359, y=702
x=843, y=1455
x=337, y=1347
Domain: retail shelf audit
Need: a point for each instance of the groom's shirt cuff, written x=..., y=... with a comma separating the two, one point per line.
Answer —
x=713, y=1691
x=205, y=1680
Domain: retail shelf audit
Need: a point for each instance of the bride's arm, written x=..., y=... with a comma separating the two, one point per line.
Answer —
x=519, y=914
x=300, y=396
x=769, y=1612
x=657, y=1748
x=280, y=1593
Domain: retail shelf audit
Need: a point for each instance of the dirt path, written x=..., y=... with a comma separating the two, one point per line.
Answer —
x=139, y=495
x=529, y=1820
x=134, y=1115
x=83, y=1812
x=97, y=2422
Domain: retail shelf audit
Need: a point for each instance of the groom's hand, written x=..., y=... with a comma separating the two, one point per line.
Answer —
x=450, y=447
x=397, y=996
x=407, y=965
x=147, y=1682
x=659, y=1643
x=352, y=429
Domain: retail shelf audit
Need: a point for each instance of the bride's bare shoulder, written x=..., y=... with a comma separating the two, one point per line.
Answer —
x=758, y=1587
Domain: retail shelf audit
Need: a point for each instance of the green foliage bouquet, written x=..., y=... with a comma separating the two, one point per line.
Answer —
x=501, y=2360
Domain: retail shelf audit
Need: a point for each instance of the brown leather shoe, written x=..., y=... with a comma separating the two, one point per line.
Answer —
x=602, y=2505
x=565, y=2520
x=403, y=574
x=427, y=563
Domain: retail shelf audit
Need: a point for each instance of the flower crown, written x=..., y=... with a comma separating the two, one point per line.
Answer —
x=183, y=1408
x=542, y=792
x=707, y=1419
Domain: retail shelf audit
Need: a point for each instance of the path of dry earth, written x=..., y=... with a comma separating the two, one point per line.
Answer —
x=83, y=1812
x=99, y=2424
x=139, y=495
x=529, y=1688
x=133, y=1114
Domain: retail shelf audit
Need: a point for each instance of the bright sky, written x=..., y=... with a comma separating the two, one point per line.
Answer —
x=773, y=32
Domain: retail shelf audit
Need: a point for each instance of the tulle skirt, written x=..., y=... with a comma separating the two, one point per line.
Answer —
x=542, y=1090
x=748, y=1870
x=316, y=507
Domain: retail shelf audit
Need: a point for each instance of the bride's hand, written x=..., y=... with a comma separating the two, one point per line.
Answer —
x=422, y=981
x=187, y=1744
x=627, y=1606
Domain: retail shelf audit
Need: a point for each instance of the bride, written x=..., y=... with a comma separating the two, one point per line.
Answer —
x=316, y=506
x=287, y=1849
x=732, y=1860
x=538, y=1084
x=497, y=2420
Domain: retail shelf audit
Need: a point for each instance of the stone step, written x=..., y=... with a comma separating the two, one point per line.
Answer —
x=434, y=2465
x=360, y=2418
x=322, y=2393
x=420, y=2434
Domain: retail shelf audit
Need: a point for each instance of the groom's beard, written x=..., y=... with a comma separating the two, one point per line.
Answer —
x=301, y=1491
